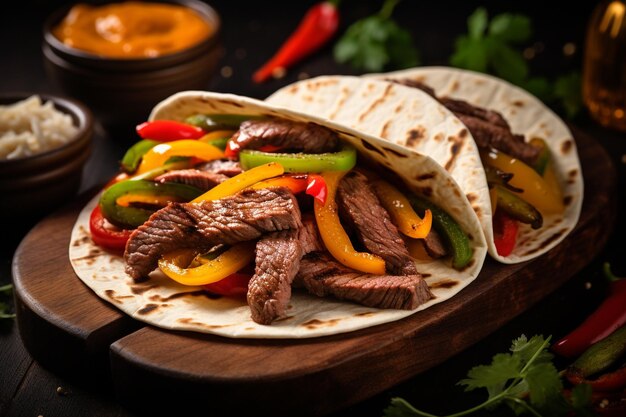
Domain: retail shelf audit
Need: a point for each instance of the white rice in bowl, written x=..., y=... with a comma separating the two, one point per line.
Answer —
x=29, y=127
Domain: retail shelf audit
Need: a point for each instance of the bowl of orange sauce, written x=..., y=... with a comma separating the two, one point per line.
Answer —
x=121, y=58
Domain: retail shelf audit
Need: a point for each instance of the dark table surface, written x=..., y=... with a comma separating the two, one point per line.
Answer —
x=251, y=33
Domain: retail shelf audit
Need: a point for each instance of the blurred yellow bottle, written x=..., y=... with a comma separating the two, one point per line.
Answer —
x=604, y=71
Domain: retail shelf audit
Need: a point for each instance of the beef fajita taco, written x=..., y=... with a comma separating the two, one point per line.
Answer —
x=515, y=160
x=241, y=219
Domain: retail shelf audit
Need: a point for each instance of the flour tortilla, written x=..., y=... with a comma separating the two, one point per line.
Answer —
x=397, y=112
x=167, y=304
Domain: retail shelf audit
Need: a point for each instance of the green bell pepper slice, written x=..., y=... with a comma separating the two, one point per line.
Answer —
x=131, y=217
x=343, y=160
x=133, y=155
x=457, y=241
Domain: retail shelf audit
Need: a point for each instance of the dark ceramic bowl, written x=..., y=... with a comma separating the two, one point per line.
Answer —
x=35, y=185
x=121, y=92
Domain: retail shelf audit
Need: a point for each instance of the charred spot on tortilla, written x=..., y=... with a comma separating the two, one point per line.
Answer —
x=380, y=100
x=396, y=153
x=444, y=283
x=230, y=103
x=187, y=320
x=364, y=314
x=415, y=135
x=384, y=132
x=567, y=146
x=425, y=191
x=90, y=257
x=308, y=98
x=463, y=133
x=572, y=174
x=552, y=238
x=567, y=200
x=518, y=103
x=455, y=86
x=372, y=148
x=471, y=197
x=426, y=176
x=147, y=309
x=116, y=298
x=140, y=289
x=315, y=323
x=398, y=108
x=457, y=143
x=293, y=89
x=284, y=318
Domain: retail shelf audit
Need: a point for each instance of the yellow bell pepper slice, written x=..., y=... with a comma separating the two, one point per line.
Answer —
x=549, y=177
x=157, y=156
x=493, y=198
x=217, y=134
x=536, y=191
x=334, y=236
x=401, y=212
x=241, y=181
x=175, y=264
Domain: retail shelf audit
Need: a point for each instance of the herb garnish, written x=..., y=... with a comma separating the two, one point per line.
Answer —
x=377, y=42
x=491, y=47
x=526, y=380
x=4, y=307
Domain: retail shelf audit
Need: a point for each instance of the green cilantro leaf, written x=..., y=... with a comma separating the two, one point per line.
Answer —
x=477, y=23
x=568, y=88
x=493, y=377
x=377, y=42
x=471, y=53
x=507, y=62
x=512, y=28
x=539, y=87
x=525, y=380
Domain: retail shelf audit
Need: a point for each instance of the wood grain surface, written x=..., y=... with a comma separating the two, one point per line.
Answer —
x=67, y=328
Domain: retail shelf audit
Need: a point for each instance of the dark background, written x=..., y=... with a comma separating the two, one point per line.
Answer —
x=252, y=31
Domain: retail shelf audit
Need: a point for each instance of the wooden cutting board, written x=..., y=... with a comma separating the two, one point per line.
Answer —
x=68, y=329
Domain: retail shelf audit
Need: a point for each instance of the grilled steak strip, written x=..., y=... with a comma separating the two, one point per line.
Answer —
x=308, y=236
x=277, y=261
x=488, y=135
x=360, y=209
x=221, y=166
x=323, y=276
x=243, y=216
x=287, y=135
x=202, y=180
x=434, y=245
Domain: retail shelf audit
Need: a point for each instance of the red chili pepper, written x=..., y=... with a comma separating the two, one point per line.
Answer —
x=234, y=285
x=168, y=130
x=504, y=233
x=316, y=187
x=608, y=317
x=105, y=235
x=610, y=381
x=316, y=28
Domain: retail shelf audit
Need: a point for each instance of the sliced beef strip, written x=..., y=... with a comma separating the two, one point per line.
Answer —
x=488, y=135
x=308, y=235
x=277, y=261
x=322, y=276
x=463, y=107
x=434, y=245
x=221, y=166
x=361, y=210
x=241, y=217
x=414, y=84
x=286, y=134
x=202, y=180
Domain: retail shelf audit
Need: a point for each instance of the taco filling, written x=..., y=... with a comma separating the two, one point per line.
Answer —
x=520, y=174
x=257, y=205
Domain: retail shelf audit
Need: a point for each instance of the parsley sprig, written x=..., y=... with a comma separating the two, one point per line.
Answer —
x=526, y=380
x=377, y=42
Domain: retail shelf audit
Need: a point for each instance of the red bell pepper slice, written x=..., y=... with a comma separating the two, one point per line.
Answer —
x=316, y=187
x=168, y=130
x=234, y=285
x=504, y=233
x=106, y=235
